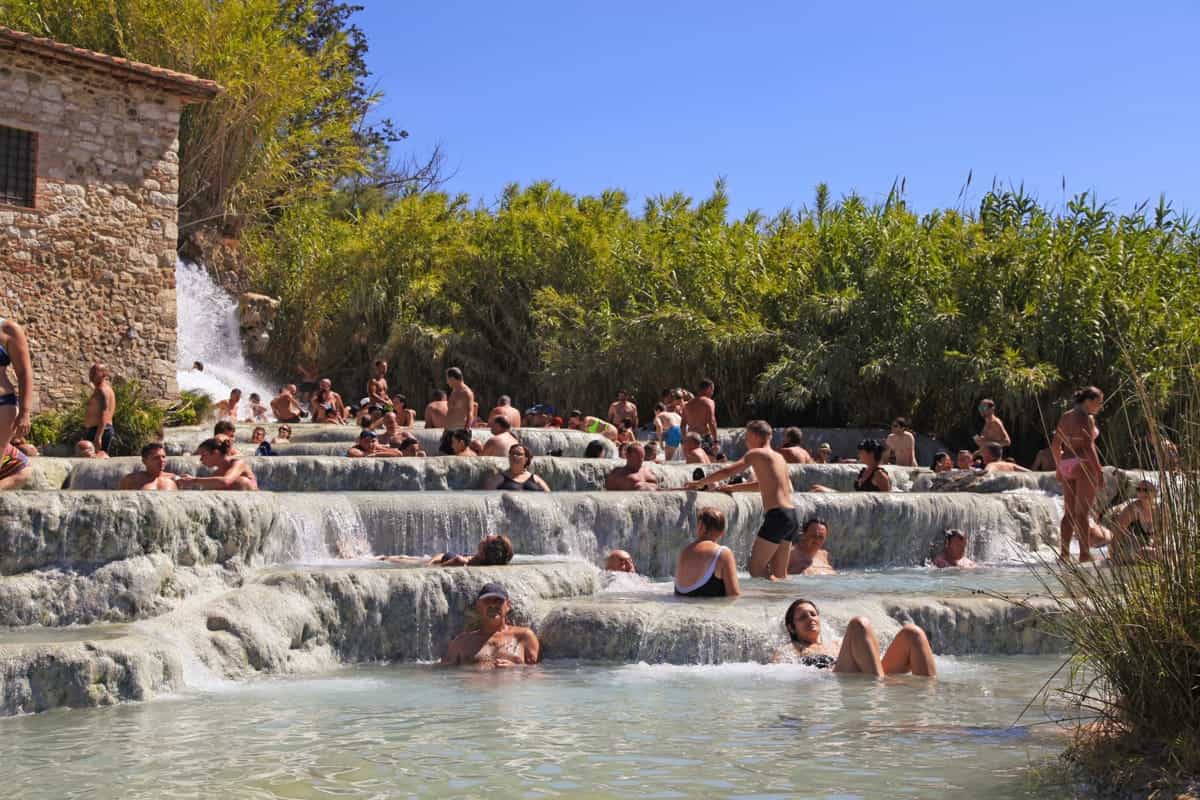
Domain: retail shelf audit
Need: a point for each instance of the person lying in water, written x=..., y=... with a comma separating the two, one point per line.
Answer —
x=232, y=474
x=954, y=551
x=809, y=556
x=152, y=477
x=495, y=644
x=495, y=550
x=858, y=651
x=368, y=446
x=705, y=568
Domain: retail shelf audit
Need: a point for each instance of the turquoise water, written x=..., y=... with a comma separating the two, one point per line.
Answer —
x=554, y=731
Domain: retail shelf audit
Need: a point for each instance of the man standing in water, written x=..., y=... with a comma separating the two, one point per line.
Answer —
x=495, y=644
x=773, y=544
x=700, y=413
x=284, y=405
x=635, y=475
x=377, y=386
x=97, y=421
x=152, y=476
x=502, y=439
x=460, y=408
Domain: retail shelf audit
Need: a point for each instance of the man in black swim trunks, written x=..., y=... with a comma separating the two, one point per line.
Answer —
x=773, y=545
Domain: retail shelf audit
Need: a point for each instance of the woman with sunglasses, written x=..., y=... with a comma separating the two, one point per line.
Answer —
x=1137, y=521
x=517, y=477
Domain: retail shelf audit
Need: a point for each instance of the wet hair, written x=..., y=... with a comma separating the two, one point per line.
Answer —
x=938, y=456
x=761, y=427
x=952, y=532
x=1085, y=394
x=707, y=383
x=711, y=519
x=215, y=445
x=902, y=422
x=787, y=616
x=659, y=407
x=501, y=422
x=525, y=452
x=224, y=427
x=196, y=365
x=235, y=391
x=872, y=446
x=792, y=437
x=497, y=551
x=575, y=413
x=438, y=394
x=151, y=447
x=454, y=373
x=595, y=449
x=380, y=362
x=461, y=434
x=254, y=398
x=994, y=449
x=813, y=521
x=400, y=400
x=504, y=400
x=694, y=438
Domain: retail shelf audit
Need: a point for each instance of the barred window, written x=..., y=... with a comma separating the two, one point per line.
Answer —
x=16, y=166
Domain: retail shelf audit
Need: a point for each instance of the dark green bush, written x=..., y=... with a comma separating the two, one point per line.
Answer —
x=138, y=419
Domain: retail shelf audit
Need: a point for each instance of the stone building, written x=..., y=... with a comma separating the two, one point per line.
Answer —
x=89, y=177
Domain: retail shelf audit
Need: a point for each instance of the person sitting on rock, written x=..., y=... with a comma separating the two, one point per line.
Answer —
x=368, y=446
x=993, y=460
x=152, y=477
x=693, y=449
x=495, y=644
x=232, y=474
x=792, y=450
x=858, y=652
x=954, y=551
x=518, y=476
x=871, y=478
x=84, y=448
x=284, y=405
x=619, y=561
x=226, y=431
x=635, y=475
x=964, y=460
x=626, y=432
x=502, y=441
x=809, y=556
x=1136, y=522
x=993, y=431
x=283, y=435
x=258, y=412
x=941, y=462
x=259, y=439
x=327, y=405
x=577, y=421
x=704, y=567
x=653, y=453
x=1043, y=461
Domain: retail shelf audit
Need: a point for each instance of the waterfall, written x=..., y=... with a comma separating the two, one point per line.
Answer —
x=208, y=331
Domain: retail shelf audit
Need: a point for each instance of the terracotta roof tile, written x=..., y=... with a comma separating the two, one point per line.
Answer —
x=189, y=87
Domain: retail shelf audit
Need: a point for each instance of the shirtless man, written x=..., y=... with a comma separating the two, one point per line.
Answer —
x=992, y=461
x=393, y=434
x=954, y=552
x=504, y=408
x=619, y=561
x=97, y=421
x=495, y=644
x=227, y=409
x=502, y=440
x=635, y=475
x=152, y=477
x=577, y=421
x=377, y=385
x=964, y=460
x=700, y=413
x=284, y=405
x=993, y=428
x=772, y=547
x=327, y=405
x=900, y=444
x=435, y=411
x=460, y=408
x=791, y=450
x=368, y=446
x=693, y=450
x=622, y=409
x=809, y=556
x=1043, y=461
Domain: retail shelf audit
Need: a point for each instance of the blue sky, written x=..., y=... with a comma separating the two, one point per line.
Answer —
x=657, y=97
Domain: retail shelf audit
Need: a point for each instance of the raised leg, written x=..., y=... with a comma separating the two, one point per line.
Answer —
x=860, y=650
x=910, y=652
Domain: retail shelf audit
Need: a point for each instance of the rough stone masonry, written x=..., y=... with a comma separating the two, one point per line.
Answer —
x=89, y=269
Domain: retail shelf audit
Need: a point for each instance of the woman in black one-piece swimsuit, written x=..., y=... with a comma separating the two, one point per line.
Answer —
x=872, y=477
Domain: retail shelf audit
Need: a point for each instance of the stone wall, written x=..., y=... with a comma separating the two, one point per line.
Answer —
x=90, y=270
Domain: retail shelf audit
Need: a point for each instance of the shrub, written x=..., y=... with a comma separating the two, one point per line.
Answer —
x=137, y=420
x=192, y=408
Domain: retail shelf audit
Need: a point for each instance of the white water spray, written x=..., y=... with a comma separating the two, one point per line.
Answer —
x=208, y=332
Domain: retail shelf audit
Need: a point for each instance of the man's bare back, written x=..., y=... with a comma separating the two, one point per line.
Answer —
x=903, y=446
x=499, y=444
x=700, y=415
x=796, y=455
x=435, y=414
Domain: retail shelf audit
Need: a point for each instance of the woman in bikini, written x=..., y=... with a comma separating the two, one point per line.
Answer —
x=858, y=652
x=1077, y=465
x=16, y=402
x=705, y=568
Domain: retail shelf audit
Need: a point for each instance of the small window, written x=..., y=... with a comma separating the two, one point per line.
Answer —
x=16, y=166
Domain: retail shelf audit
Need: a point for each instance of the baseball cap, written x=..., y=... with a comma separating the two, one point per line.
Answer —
x=825, y=446
x=491, y=590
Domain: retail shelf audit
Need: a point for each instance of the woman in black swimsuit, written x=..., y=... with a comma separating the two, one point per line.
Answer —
x=858, y=652
x=872, y=477
x=517, y=477
x=1136, y=523
x=705, y=568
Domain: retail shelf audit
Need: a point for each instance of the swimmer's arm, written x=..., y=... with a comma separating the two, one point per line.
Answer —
x=538, y=480
x=714, y=477
x=354, y=452
x=531, y=645
x=745, y=486
x=453, y=657
x=1004, y=440
x=882, y=480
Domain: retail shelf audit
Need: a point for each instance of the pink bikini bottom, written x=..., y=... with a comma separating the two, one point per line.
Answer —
x=1069, y=466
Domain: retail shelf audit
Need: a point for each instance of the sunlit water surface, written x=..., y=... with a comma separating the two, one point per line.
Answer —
x=550, y=731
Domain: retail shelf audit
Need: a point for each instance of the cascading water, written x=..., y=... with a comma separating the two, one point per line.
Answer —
x=209, y=332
